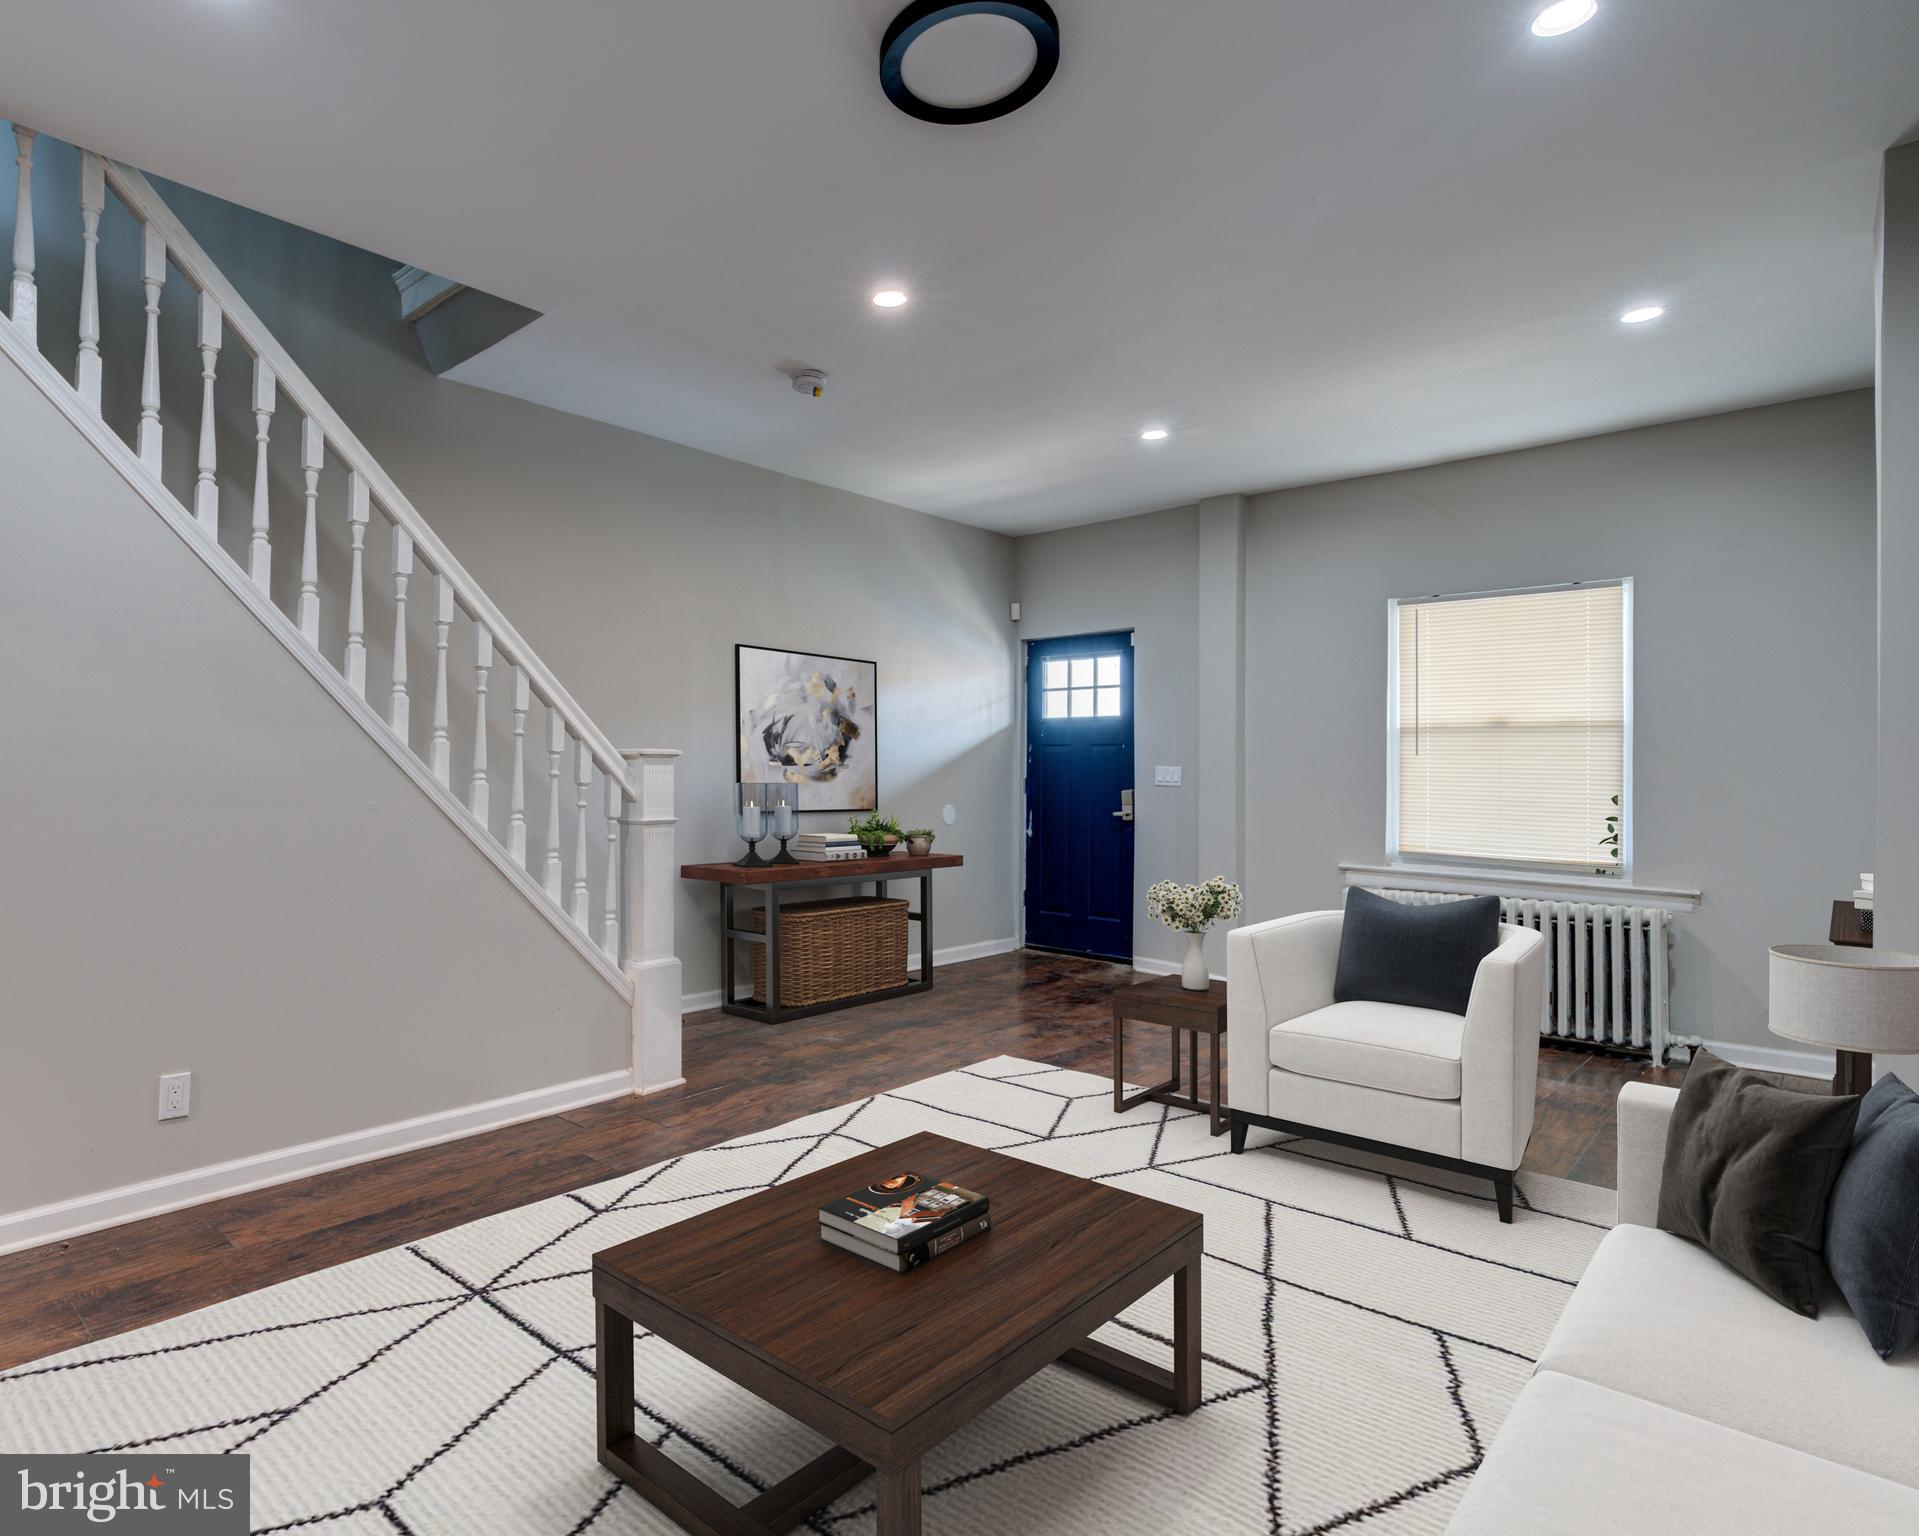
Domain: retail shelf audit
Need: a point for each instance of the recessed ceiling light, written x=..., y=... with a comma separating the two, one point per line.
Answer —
x=1153, y=435
x=1562, y=16
x=889, y=298
x=1642, y=314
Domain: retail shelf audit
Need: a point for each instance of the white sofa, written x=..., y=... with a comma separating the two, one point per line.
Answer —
x=1438, y=1088
x=1674, y=1396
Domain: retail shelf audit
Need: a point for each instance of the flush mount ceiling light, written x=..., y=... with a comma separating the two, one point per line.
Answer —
x=1642, y=314
x=1564, y=16
x=889, y=298
x=1153, y=435
x=968, y=61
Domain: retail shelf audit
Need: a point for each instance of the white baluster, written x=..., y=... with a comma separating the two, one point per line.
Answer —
x=615, y=803
x=516, y=809
x=479, y=797
x=24, y=305
x=93, y=199
x=397, y=711
x=583, y=776
x=440, y=756
x=153, y=276
x=206, y=486
x=312, y=460
x=358, y=509
x=259, y=548
x=555, y=745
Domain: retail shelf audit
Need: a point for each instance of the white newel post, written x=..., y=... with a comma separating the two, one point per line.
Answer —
x=25, y=302
x=652, y=887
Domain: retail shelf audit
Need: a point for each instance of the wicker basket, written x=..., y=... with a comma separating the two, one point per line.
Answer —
x=834, y=949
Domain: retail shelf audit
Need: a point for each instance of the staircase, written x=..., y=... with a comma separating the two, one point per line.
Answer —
x=591, y=850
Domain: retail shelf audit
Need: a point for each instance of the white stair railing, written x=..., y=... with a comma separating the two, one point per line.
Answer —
x=628, y=889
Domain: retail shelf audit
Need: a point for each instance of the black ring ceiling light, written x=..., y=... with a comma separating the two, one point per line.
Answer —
x=924, y=16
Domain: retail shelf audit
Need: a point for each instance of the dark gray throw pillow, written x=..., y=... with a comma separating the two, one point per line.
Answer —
x=1872, y=1220
x=1748, y=1170
x=1424, y=956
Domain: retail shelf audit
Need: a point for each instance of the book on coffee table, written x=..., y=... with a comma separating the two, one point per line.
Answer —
x=901, y=1210
x=913, y=1254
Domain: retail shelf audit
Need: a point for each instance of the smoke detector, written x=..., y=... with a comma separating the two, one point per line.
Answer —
x=810, y=381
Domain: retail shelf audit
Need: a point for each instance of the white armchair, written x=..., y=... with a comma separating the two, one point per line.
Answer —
x=1443, y=1089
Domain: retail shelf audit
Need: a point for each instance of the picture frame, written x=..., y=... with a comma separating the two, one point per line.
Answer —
x=808, y=719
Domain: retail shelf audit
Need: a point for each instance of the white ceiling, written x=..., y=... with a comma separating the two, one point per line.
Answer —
x=1315, y=238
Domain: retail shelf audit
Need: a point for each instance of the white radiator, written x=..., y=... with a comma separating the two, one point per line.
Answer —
x=1608, y=968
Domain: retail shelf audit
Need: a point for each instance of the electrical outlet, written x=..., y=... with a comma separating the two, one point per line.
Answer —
x=176, y=1095
x=1167, y=776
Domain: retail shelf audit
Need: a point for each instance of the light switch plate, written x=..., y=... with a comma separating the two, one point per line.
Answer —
x=1167, y=775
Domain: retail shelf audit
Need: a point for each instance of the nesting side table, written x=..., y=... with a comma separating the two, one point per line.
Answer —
x=1164, y=1001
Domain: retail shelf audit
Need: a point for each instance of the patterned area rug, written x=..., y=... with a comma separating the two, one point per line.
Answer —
x=1365, y=1332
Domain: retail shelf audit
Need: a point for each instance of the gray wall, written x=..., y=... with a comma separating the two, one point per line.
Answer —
x=1750, y=540
x=630, y=564
x=1142, y=574
x=211, y=869
x=1896, y=903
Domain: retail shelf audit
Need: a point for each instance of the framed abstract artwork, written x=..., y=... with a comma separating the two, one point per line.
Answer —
x=809, y=720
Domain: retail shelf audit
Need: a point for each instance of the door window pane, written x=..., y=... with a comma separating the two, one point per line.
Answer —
x=1055, y=674
x=1082, y=671
x=1082, y=703
x=1109, y=674
x=1053, y=704
x=1108, y=701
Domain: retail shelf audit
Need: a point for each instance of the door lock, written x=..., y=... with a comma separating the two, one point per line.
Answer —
x=1125, y=811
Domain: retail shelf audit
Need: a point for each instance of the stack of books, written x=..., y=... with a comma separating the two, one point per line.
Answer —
x=1862, y=899
x=826, y=847
x=904, y=1220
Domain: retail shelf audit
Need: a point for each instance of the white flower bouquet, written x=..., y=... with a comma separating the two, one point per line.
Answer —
x=1193, y=908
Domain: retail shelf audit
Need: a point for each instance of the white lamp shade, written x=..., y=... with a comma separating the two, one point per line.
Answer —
x=1848, y=998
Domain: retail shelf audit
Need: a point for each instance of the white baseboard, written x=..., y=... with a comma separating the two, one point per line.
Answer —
x=1154, y=967
x=155, y=1197
x=1768, y=1058
x=693, y=1002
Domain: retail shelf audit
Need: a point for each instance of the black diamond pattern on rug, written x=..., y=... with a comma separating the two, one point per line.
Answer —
x=1366, y=1326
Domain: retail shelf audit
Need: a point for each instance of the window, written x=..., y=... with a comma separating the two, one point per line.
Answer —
x=1511, y=728
x=1080, y=689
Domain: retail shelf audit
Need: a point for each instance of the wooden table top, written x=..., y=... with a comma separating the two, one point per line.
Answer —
x=1164, y=1001
x=884, y=1345
x=900, y=864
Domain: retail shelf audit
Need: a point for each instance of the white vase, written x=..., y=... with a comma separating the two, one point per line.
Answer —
x=1193, y=976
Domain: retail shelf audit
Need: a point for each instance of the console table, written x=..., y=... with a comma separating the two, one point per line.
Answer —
x=779, y=879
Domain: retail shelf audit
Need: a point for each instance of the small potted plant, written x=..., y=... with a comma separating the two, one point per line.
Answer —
x=1191, y=910
x=919, y=841
x=879, y=835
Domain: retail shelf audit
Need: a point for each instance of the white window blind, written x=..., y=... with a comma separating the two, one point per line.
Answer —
x=1511, y=724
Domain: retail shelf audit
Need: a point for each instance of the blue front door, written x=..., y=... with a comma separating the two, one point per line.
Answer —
x=1079, y=795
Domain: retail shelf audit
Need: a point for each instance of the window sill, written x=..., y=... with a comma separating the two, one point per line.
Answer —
x=1517, y=882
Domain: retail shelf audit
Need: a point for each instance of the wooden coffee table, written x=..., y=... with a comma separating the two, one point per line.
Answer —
x=886, y=1366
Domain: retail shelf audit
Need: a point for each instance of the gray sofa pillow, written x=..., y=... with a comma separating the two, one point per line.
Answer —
x=1872, y=1220
x=1424, y=956
x=1749, y=1168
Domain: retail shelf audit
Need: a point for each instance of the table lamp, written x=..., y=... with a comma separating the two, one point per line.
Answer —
x=1856, y=1001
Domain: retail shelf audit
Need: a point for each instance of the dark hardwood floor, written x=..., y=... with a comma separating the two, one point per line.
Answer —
x=741, y=1076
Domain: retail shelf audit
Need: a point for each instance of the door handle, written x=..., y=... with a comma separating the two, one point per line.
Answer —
x=1125, y=811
